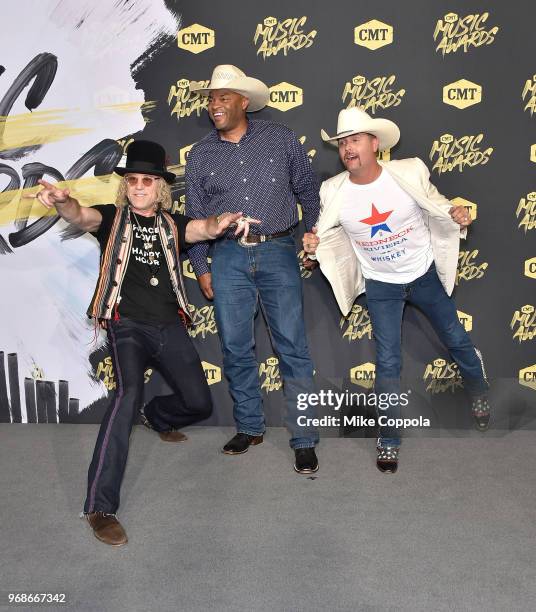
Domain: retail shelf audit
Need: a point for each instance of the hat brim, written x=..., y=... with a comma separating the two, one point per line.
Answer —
x=254, y=90
x=169, y=177
x=387, y=133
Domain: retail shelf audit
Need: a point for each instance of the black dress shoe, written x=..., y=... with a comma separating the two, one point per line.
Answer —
x=306, y=461
x=387, y=459
x=481, y=412
x=240, y=444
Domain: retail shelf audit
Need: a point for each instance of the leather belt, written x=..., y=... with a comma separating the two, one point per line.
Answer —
x=258, y=238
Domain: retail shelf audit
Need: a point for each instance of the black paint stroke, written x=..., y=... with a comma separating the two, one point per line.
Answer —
x=158, y=46
x=103, y=157
x=14, y=181
x=31, y=173
x=42, y=70
x=4, y=247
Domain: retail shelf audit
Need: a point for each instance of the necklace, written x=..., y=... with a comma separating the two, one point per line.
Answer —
x=153, y=281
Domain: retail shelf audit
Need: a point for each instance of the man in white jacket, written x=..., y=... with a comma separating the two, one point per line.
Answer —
x=385, y=229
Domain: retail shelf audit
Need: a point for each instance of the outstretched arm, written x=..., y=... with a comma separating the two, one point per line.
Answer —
x=210, y=228
x=86, y=219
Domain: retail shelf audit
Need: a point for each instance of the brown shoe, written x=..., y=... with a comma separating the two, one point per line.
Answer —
x=172, y=436
x=107, y=528
x=167, y=436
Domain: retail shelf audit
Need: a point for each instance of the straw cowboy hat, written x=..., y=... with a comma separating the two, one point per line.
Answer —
x=355, y=120
x=230, y=77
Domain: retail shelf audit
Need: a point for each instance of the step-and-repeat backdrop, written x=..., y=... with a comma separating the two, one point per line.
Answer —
x=79, y=81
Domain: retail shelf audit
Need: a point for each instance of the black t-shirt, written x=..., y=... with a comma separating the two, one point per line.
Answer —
x=139, y=299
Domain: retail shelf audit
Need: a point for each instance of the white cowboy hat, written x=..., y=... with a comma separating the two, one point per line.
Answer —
x=230, y=77
x=355, y=120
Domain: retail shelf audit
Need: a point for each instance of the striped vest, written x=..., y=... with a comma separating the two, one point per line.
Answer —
x=114, y=262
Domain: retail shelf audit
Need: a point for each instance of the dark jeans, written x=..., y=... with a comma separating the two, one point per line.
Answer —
x=386, y=303
x=133, y=346
x=267, y=275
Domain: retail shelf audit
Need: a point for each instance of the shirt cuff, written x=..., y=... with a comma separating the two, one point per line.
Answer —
x=200, y=267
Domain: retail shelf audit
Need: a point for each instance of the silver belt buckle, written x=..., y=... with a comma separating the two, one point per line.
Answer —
x=244, y=241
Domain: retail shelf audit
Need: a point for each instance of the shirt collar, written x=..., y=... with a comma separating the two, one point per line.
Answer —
x=252, y=126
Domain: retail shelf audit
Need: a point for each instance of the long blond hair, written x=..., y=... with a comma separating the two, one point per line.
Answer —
x=163, y=196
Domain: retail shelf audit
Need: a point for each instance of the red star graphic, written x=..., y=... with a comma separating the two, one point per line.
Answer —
x=376, y=217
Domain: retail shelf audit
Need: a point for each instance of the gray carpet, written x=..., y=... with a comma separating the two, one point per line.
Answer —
x=454, y=529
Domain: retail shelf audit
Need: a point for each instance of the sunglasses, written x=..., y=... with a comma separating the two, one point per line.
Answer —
x=147, y=181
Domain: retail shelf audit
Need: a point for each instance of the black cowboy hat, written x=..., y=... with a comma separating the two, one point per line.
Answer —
x=146, y=157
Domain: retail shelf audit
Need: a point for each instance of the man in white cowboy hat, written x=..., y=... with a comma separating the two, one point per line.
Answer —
x=385, y=229
x=140, y=300
x=261, y=168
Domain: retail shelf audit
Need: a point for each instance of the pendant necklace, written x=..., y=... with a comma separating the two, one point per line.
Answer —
x=153, y=281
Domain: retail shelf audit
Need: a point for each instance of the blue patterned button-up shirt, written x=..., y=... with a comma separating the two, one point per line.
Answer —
x=263, y=175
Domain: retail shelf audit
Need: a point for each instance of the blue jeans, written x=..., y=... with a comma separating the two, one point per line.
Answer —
x=385, y=303
x=265, y=275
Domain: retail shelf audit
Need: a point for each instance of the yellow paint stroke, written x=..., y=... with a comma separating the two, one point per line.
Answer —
x=145, y=108
x=87, y=190
x=37, y=128
x=130, y=107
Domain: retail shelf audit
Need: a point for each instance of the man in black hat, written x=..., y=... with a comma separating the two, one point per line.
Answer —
x=140, y=300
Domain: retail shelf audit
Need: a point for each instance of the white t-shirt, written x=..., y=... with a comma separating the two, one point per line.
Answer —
x=387, y=230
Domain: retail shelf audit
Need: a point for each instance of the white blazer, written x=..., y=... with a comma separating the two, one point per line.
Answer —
x=336, y=255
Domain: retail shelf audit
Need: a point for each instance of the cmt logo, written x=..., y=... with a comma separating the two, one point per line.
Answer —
x=187, y=269
x=196, y=38
x=529, y=93
x=524, y=323
x=105, y=372
x=212, y=372
x=526, y=212
x=269, y=375
x=183, y=154
x=471, y=207
x=527, y=377
x=462, y=93
x=466, y=320
x=373, y=34
x=530, y=267
x=357, y=323
x=285, y=96
x=442, y=376
x=363, y=375
x=533, y=153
